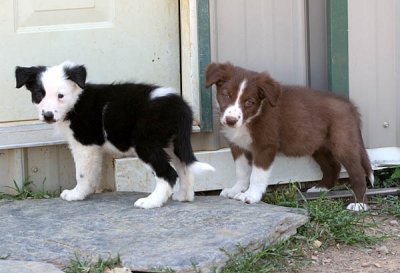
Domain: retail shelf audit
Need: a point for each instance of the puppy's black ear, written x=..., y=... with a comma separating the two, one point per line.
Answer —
x=24, y=75
x=218, y=73
x=268, y=88
x=77, y=74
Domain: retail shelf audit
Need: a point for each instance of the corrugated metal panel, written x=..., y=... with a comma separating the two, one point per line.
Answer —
x=264, y=35
x=374, y=68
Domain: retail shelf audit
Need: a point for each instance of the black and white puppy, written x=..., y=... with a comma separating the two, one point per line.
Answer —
x=153, y=122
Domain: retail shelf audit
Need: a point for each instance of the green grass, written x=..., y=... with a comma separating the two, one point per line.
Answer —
x=84, y=265
x=28, y=190
x=389, y=205
x=330, y=223
x=387, y=178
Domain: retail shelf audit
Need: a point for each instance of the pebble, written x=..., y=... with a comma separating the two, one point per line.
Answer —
x=382, y=250
x=377, y=265
x=326, y=261
x=365, y=264
x=394, y=223
x=317, y=244
x=118, y=270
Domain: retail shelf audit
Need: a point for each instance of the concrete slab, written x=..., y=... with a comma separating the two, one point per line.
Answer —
x=8, y=266
x=175, y=236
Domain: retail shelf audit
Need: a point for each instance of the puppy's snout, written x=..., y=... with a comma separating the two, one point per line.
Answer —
x=48, y=116
x=231, y=121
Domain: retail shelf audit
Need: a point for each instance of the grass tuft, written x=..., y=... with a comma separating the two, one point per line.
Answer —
x=28, y=190
x=84, y=265
x=330, y=223
x=389, y=205
x=387, y=178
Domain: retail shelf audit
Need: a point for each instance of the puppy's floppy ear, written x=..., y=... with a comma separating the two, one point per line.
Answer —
x=268, y=88
x=77, y=74
x=24, y=75
x=218, y=73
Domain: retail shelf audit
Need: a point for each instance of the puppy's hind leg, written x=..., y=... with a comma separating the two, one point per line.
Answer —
x=184, y=190
x=330, y=168
x=352, y=163
x=186, y=164
x=166, y=176
x=88, y=160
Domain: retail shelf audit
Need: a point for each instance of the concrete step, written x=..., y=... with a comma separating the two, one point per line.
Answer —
x=175, y=236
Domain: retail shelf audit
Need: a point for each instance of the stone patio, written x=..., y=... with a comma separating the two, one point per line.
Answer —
x=175, y=236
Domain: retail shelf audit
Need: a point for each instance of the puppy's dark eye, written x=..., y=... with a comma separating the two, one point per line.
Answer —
x=60, y=96
x=249, y=103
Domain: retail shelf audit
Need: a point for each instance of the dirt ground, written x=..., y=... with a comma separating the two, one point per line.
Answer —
x=382, y=257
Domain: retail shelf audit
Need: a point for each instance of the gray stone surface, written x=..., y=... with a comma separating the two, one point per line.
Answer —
x=7, y=266
x=174, y=236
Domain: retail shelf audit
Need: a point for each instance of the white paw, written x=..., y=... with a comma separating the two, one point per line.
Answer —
x=317, y=189
x=230, y=192
x=73, y=195
x=249, y=197
x=182, y=196
x=357, y=207
x=149, y=202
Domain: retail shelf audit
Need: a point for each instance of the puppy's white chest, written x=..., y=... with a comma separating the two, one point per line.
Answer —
x=239, y=136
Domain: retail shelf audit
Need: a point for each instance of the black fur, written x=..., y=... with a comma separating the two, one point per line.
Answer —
x=131, y=119
x=76, y=74
x=29, y=76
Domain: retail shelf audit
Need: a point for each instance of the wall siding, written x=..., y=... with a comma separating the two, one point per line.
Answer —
x=374, y=47
x=263, y=35
x=52, y=164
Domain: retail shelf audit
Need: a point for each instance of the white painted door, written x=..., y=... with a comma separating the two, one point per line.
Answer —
x=117, y=40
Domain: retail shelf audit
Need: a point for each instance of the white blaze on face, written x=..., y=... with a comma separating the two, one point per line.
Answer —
x=234, y=112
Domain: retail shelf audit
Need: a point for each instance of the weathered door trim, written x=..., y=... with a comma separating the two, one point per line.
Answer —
x=203, y=32
x=338, y=53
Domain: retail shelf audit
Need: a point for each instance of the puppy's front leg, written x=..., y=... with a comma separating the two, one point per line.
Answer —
x=243, y=172
x=259, y=178
x=88, y=160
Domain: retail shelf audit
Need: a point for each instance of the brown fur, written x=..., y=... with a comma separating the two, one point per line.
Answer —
x=296, y=121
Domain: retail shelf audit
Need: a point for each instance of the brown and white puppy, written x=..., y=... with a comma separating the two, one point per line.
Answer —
x=261, y=117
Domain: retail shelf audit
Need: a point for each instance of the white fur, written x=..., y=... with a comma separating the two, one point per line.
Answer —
x=243, y=172
x=161, y=92
x=235, y=111
x=88, y=162
x=317, y=189
x=54, y=83
x=111, y=149
x=158, y=197
x=239, y=136
x=357, y=207
x=371, y=178
x=200, y=167
x=184, y=188
x=258, y=184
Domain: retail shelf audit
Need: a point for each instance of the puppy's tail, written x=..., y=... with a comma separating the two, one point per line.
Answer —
x=366, y=164
x=200, y=167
